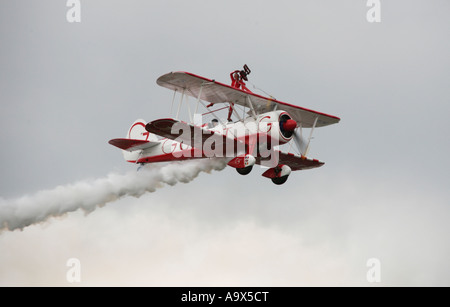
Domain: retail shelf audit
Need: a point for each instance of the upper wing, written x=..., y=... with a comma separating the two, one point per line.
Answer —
x=216, y=92
x=132, y=144
x=296, y=163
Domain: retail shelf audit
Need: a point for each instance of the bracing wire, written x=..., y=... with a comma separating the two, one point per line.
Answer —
x=259, y=89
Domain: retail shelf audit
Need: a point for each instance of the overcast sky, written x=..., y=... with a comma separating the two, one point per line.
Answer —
x=67, y=88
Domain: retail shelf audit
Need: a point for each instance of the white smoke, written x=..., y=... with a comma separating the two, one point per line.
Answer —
x=90, y=194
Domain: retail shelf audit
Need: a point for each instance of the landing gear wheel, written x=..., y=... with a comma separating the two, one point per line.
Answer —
x=280, y=180
x=245, y=170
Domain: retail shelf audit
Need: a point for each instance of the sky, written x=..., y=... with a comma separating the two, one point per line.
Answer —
x=67, y=88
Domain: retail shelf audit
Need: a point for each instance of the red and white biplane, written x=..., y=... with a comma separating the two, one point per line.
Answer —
x=251, y=133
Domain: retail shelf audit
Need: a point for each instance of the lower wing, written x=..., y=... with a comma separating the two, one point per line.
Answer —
x=296, y=163
x=194, y=136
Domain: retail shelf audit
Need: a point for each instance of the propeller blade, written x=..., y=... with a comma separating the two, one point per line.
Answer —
x=300, y=142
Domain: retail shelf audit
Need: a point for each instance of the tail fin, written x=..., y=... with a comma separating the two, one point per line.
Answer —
x=137, y=139
x=137, y=132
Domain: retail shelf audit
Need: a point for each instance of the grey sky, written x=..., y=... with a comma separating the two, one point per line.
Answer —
x=66, y=89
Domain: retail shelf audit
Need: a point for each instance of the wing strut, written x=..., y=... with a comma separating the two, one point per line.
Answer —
x=251, y=106
x=198, y=98
x=235, y=112
x=189, y=108
x=179, y=105
x=173, y=99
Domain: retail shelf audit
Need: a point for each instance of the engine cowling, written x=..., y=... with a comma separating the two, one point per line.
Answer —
x=287, y=126
x=278, y=125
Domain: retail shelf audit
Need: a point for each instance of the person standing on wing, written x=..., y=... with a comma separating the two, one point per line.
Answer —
x=236, y=81
x=237, y=76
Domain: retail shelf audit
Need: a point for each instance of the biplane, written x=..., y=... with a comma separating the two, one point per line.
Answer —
x=252, y=130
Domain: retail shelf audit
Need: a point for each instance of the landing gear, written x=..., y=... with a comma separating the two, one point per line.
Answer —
x=279, y=180
x=244, y=170
x=243, y=164
x=278, y=174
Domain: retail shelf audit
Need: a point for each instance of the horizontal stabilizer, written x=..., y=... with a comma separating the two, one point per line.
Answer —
x=132, y=144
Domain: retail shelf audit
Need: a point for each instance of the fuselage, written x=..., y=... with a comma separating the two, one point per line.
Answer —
x=254, y=135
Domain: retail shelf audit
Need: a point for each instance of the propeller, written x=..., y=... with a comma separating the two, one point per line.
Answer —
x=302, y=145
x=289, y=126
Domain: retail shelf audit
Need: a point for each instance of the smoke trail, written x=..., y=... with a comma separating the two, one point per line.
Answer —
x=90, y=194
